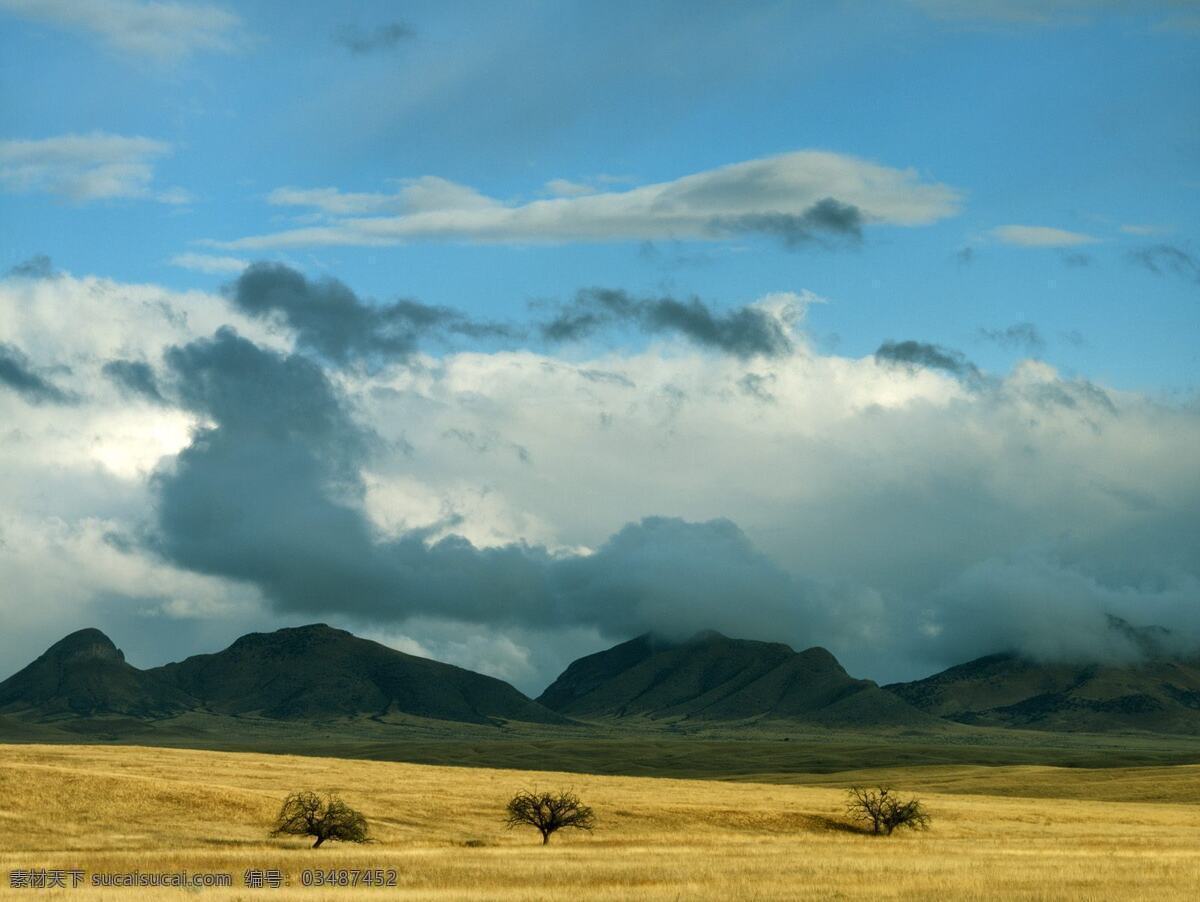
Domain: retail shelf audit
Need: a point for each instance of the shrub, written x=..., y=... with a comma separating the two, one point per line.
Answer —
x=307, y=813
x=883, y=811
x=549, y=812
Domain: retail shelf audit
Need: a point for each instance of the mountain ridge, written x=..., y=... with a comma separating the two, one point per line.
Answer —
x=711, y=677
x=309, y=673
x=317, y=674
x=1157, y=694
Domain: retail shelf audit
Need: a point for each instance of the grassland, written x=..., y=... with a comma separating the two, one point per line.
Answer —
x=1012, y=832
x=762, y=751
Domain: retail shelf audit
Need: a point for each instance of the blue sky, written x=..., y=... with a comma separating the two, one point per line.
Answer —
x=936, y=395
x=1080, y=122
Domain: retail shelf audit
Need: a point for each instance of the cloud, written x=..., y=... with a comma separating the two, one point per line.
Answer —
x=1142, y=230
x=1052, y=12
x=85, y=168
x=755, y=329
x=18, y=374
x=568, y=188
x=1167, y=259
x=799, y=197
x=428, y=194
x=380, y=38
x=1040, y=236
x=39, y=266
x=269, y=493
x=825, y=222
x=330, y=319
x=929, y=356
x=163, y=32
x=1019, y=336
x=210, y=264
x=135, y=377
x=1180, y=23
x=755, y=385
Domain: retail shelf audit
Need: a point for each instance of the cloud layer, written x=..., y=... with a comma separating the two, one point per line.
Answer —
x=86, y=168
x=759, y=329
x=160, y=31
x=1040, y=236
x=798, y=198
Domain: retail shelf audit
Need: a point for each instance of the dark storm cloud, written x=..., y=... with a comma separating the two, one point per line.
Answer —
x=38, y=266
x=743, y=332
x=826, y=222
x=928, y=356
x=266, y=493
x=1167, y=259
x=18, y=374
x=1020, y=336
x=382, y=37
x=270, y=494
x=333, y=321
x=134, y=377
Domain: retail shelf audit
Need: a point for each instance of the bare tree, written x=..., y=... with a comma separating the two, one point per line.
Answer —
x=549, y=812
x=325, y=817
x=883, y=811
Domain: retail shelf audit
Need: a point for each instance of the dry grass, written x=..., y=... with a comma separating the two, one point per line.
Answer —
x=1109, y=834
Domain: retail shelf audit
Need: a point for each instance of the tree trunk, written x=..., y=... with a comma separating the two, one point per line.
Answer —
x=545, y=838
x=317, y=844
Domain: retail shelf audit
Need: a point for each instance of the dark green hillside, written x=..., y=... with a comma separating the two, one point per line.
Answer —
x=83, y=675
x=317, y=672
x=1006, y=690
x=713, y=677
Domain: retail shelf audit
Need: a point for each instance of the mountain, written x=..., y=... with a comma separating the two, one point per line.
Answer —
x=711, y=677
x=316, y=672
x=1161, y=695
x=84, y=675
x=310, y=673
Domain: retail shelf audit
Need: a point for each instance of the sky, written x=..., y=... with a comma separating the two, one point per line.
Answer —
x=501, y=333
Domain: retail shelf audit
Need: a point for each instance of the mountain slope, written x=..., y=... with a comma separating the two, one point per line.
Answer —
x=1160, y=695
x=316, y=672
x=85, y=674
x=713, y=677
x=307, y=674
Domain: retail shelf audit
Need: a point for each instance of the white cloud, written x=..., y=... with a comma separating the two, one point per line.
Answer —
x=1030, y=12
x=1048, y=12
x=84, y=168
x=1142, y=230
x=161, y=31
x=210, y=263
x=567, y=188
x=1180, y=23
x=707, y=205
x=425, y=194
x=1040, y=236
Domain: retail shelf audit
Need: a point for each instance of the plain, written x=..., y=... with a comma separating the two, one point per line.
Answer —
x=1014, y=832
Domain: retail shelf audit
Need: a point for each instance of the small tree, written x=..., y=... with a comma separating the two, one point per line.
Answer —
x=549, y=812
x=884, y=811
x=324, y=817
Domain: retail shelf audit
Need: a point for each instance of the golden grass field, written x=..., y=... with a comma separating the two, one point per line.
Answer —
x=998, y=832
